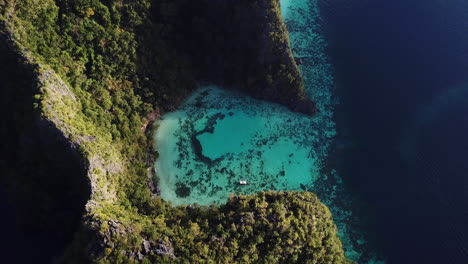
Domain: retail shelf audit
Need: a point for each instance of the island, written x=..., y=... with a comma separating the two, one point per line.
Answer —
x=83, y=82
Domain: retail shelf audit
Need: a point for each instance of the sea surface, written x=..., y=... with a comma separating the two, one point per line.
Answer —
x=388, y=151
x=401, y=69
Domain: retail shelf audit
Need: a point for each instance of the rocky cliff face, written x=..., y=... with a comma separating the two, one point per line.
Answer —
x=244, y=45
x=41, y=169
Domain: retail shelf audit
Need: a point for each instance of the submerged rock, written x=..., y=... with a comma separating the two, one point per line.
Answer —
x=182, y=190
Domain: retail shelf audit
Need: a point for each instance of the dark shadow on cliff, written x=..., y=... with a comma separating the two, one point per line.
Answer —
x=44, y=186
x=241, y=45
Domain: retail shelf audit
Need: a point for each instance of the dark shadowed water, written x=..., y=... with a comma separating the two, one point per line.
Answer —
x=401, y=69
x=18, y=246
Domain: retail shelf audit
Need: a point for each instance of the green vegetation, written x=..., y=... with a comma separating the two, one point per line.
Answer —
x=243, y=44
x=270, y=227
x=102, y=70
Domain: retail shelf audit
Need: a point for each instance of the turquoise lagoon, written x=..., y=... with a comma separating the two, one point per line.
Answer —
x=218, y=138
x=238, y=138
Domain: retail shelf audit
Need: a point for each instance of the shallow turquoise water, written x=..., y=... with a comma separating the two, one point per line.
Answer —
x=259, y=142
x=265, y=144
x=218, y=138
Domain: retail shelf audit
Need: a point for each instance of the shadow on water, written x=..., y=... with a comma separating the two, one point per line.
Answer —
x=43, y=183
x=393, y=59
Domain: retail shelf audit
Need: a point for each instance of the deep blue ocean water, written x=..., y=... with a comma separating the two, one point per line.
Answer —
x=402, y=76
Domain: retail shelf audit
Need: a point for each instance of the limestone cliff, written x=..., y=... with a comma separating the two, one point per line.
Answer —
x=76, y=93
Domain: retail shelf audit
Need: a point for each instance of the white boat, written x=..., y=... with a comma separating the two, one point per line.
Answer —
x=242, y=182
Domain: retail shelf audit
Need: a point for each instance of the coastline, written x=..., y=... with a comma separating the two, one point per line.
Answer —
x=122, y=219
